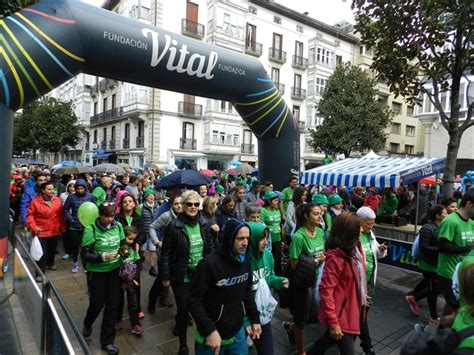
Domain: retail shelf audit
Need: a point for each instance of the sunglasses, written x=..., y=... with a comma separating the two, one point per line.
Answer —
x=190, y=204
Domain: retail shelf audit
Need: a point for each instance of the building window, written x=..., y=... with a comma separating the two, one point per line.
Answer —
x=409, y=149
x=215, y=135
x=462, y=96
x=396, y=107
x=277, y=42
x=299, y=28
x=320, y=85
x=296, y=113
x=236, y=139
x=428, y=104
x=104, y=105
x=277, y=20
x=324, y=57
x=104, y=134
x=297, y=81
x=222, y=108
x=230, y=108
x=298, y=49
x=410, y=131
x=312, y=55
x=112, y=134
x=114, y=100
x=276, y=75
x=383, y=99
x=396, y=128
x=188, y=130
x=394, y=147
x=96, y=108
x=310, y=87
x=251, y=39
x=127, y=131
x=221, y=137
x=338, y=59
x=252, y=10
x=95, y=137
x=410, y=111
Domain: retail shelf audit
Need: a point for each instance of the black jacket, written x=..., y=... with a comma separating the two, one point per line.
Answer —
x=221, y=289
x=137, y=223
x=175, y=250
x=429, y=243
x=206, y=222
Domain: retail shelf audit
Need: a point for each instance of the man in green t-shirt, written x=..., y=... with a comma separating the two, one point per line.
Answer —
x=456, y=240
x=287, y=195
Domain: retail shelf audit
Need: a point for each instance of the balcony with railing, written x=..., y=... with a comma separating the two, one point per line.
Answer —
x=86, y=146
x=301, y=125
x=94, y=90
x=281, y=87
x=187, y=143
x=192, y=29
x=105, y=84
x=112, y=144
x=298, y=93
x=140, y=142
x=253, y=48
x=247, y=148
x=126, y=143
x=276, y=55
x=103, y=145
x=109, y=115
x=299, y=62
x=189, y=109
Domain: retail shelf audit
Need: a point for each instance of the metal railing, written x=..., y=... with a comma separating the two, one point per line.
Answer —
x=281, y=87
x=192, y=28
x=187, y=143
x=52, y=334
x=103, y=145
x=108, y=115
x=277, y=55
x=299, y=62
x=126, y=143
x=140, y=142
x=254, y=48
x=298, y=93
x=247, y=148
x=112, y=144
x=189, y=109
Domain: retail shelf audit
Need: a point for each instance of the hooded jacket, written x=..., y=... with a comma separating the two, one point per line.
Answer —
x=221, y=289
x=338, y=291
x=47, y=216
x=73, y=202
x=31, y=191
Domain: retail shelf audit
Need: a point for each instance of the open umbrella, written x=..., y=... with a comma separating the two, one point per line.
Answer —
x=231, y=171
x=72, y=169
x=244, y=169
x=429, y=180
x=38, y=163
x=128, y=168
x=235, y=163
x=207, y=172
x=20, y=161
x=183, y=178
x=108, y=168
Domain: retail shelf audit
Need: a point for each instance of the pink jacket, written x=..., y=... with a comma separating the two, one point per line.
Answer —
x=339, y=296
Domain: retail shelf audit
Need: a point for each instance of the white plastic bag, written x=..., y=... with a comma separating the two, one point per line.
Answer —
x=36, y=250
x=266, y=304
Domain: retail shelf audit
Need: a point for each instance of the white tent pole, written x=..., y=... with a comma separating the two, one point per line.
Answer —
x=417, y=203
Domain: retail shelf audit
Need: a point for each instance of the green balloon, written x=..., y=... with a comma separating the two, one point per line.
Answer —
x=87, y=213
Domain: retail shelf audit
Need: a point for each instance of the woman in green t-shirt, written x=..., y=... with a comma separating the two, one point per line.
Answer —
x=100, y=246
x=270, y=214
x=308, y=240
x=465, y=314
x=184, y=245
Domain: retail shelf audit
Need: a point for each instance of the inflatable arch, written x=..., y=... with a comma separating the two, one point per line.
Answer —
x=54, y=40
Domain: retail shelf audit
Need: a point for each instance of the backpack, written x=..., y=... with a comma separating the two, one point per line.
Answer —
x=435, y=340
x=415, y=248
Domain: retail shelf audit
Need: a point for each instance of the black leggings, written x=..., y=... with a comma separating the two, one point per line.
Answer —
x=324, y=342
x=276, y=251
x=75, y=241
x=181, y=295
x=49, y=245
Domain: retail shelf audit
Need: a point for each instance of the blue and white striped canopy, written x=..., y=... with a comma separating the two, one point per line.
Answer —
x=375, y=172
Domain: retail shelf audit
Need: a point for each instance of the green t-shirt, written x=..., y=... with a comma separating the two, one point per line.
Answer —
x=196, y=247
x=459, y=232
x=369, y=256
x=134, y=256
x=105, y=241
x=272, y=219
x=463, y=320
x=302, y=243
x=286, y=197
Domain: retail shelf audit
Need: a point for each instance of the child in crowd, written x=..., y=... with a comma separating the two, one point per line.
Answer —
x=130, y=274
x=252, y=214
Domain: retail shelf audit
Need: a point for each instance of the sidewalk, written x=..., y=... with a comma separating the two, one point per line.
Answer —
x=389, y=317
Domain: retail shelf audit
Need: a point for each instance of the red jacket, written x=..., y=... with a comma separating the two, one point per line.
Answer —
x=372, y=202
x=338, y=292
x=48, y=217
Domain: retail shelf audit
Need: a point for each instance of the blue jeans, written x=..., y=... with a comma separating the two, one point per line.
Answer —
x=238, y=347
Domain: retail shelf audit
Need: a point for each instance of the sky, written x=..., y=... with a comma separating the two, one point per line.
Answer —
x=328, y=11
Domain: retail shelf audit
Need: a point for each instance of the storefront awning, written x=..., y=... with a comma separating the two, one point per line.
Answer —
x=101, y=154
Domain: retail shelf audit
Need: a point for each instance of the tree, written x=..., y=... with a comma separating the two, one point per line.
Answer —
x=423, y=47
x=353, y=119
x=47, y=124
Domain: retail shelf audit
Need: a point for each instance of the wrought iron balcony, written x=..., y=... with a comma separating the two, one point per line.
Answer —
x=112, y=144
x=94, y=90
x=86, y=146
x=192, y=29
x=189, y=109
x=126, y=143
x=140, y=142
x=298, y=93
x=103, y=145
x=299, y=62
x=253, y=48
x=187, y=143
x=106, y=116
x=281, y=88
x=277, y=55
x=247, y=148
x=105, y=84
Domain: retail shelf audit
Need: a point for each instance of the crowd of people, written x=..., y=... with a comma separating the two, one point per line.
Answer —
x=234, y=250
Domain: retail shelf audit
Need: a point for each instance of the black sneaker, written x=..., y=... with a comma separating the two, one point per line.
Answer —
x=371, y=351
x=111, y=349
x=190, y=321
x=153, y=272
x=183, y=351
x=86, y=332
x=289, y=333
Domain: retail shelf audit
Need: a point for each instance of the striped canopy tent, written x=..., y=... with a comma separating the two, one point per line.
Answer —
x=374, y=172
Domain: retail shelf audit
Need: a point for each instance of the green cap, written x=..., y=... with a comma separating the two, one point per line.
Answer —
x=148, y=191
x=270, y=195
x=320, y=199
x=334, y=199
x=219, y=188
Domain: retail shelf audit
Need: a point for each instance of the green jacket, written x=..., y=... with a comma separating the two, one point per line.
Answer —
x=261, y=263
x=388, y=205
x=100, y=195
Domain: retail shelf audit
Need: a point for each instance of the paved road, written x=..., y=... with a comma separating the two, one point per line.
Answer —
x=389, y=318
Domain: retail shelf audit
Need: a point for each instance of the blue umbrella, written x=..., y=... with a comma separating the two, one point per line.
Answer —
x=69, y=163
x=20, y=161
x=38, y=163
x=183, y=178
x=235, y=163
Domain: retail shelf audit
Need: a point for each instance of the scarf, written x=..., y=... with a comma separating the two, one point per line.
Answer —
x=362, y=286
x=335, y=211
